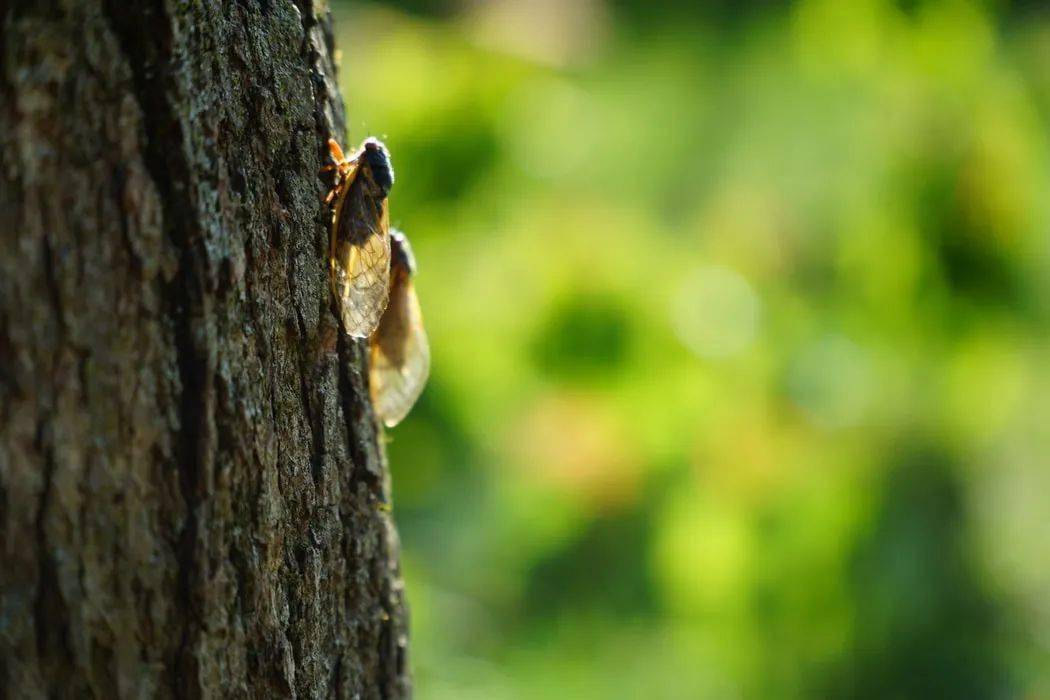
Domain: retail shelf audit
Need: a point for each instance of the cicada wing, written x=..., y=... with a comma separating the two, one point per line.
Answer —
x=360, y=262
x=400, y=354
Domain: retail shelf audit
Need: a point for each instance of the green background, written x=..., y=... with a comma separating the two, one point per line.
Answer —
x=740, y=355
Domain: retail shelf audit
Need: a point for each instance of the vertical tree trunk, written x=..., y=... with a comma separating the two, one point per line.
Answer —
x=191, y=485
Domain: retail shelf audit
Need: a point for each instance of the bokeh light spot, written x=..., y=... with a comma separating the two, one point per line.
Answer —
x=716, y=312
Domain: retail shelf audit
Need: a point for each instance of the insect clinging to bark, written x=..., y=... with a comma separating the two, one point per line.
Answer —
x=359, y=249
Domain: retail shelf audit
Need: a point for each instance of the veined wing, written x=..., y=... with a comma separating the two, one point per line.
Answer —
x=360, y=253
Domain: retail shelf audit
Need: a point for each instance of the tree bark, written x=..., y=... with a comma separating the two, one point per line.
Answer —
x=192, y=488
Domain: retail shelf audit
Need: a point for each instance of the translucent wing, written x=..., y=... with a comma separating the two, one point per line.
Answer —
x=361, y=277
x=360, y=242
x=400, y=351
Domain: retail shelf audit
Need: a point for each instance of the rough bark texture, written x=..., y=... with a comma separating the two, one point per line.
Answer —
x=192, y=487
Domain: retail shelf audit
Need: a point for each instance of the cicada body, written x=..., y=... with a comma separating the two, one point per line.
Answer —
x=400, y=360
x=359, y=255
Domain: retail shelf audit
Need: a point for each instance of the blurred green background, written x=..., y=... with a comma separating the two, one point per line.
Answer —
x=739, y=315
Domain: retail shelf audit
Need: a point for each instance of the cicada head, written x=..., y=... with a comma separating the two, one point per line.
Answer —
x=375, y=154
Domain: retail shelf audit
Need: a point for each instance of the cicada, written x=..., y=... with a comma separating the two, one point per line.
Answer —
x=371, y=268
x=400, y=352
x=359, y=247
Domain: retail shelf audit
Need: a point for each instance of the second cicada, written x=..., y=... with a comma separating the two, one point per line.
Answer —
x=400, y=357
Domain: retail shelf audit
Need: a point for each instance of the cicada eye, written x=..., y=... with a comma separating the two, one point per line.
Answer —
x=375, y=153
x=401, y=251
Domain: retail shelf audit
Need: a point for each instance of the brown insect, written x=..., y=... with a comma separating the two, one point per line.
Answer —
x=371, y=269
x=400, y=351
x=359, y=248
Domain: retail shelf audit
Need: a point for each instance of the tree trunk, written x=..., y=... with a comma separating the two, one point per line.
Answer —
x=192, y=489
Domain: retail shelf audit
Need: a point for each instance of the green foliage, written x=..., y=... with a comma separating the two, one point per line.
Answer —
x=739, y=327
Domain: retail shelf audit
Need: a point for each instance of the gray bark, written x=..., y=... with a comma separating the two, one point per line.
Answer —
x=192, y=488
